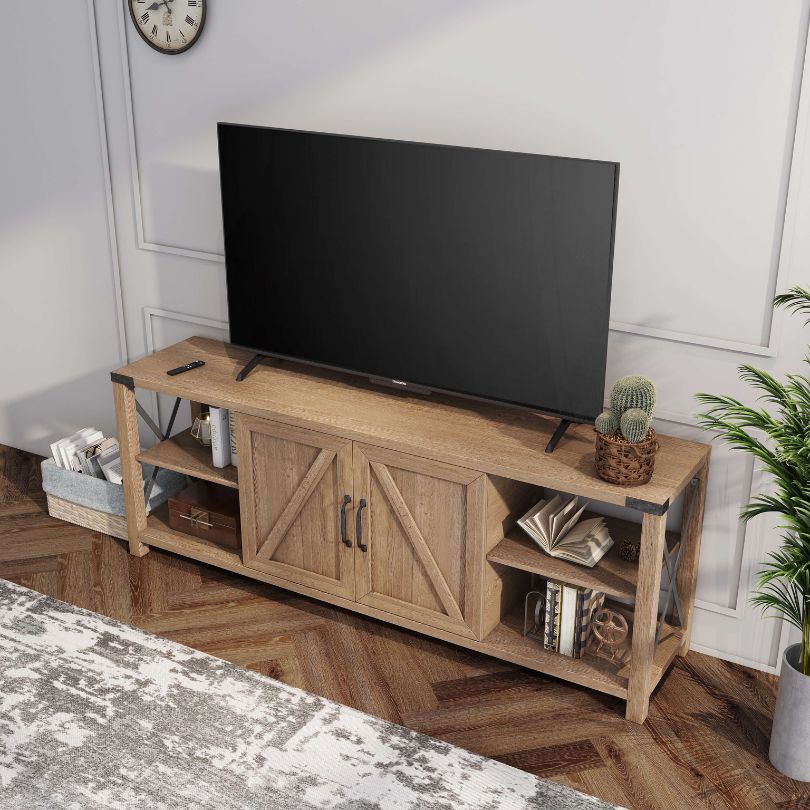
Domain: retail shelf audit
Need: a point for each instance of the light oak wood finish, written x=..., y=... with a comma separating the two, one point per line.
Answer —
x=423, y=524
x=645, y=616
x=506, y=641
x=437, y=485
x=183, y=453
x=507, y=500
x=612, y=575
x=487, y=438
x=126, y=419
x=704, y=744
x=686, y=577
x=503, y=586
x=159, y=533
x=294, y=481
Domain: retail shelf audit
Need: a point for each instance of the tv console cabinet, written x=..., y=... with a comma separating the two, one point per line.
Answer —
x=403, y=508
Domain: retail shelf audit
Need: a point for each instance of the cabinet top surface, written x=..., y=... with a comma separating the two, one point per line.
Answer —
x=489, y=438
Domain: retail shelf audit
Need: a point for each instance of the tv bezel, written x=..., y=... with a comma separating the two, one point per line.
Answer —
x=406, y=386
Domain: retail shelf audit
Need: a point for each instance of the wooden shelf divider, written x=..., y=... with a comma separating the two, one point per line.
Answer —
x=612, y=575
x=159, y=533
x=184, y=454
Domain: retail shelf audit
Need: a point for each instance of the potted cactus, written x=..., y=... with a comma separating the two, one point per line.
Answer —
x=779, y=438
x=625, y=440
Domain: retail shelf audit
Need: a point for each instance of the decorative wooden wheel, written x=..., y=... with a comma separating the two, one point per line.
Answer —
x=610, y=628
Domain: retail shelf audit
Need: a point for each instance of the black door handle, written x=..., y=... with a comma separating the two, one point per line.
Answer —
x=347, y=499
x=359, y=525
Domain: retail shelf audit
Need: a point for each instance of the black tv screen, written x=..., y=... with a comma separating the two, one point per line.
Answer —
x=470, y=271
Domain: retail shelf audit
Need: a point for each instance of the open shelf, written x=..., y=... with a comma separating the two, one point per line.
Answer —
x=507, y=641
x=611, y=575
x=159, y=533
x=184, y=454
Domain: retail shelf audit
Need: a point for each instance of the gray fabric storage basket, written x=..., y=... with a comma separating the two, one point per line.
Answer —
x=100, y=494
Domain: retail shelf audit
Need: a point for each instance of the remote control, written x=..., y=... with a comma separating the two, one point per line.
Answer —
x=187, y=367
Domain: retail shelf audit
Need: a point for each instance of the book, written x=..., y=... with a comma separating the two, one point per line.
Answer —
x=551, y=640
x=220, y=437
x=71, y=446
x=84, y=450
x=568, y=613
x=109, y=461
x=232, y=430
x=88, y=457
x=588, y=604
x=58, y=448
x=556, y=527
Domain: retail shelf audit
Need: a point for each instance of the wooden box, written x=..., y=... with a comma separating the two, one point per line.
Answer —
x=207, y=511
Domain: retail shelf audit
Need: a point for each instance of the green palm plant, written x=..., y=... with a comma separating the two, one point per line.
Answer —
x=779, y=438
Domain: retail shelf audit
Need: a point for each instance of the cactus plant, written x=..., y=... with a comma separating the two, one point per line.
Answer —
x=632, y=401
x=634, y=424
x=607, y=422
x=630, y=392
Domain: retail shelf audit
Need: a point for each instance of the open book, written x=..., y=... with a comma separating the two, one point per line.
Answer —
x=555, y=526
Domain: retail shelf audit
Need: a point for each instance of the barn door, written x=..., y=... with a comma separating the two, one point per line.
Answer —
x=419, y=533
x=294, y=486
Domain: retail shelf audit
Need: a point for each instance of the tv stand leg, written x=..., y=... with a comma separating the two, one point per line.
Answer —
x=249, y=366
x=557, y=435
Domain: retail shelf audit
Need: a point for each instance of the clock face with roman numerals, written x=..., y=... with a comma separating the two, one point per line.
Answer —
x=169, y=26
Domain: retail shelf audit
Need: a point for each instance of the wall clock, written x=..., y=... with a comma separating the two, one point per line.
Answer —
x=169, y=26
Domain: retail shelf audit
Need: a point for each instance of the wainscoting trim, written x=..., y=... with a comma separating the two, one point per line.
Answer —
x=149, y=313
x=112, y=236
x=137, y=203
x=785, y=219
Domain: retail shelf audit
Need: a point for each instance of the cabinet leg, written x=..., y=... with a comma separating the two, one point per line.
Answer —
x=653, y=538
x=126, y=417
x=690, y=535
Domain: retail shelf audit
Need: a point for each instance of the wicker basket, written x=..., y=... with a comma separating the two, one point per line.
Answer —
x=626, y=463
x=113, y=525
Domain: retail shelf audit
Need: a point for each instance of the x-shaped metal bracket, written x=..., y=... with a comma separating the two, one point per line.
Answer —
x=153, y=426
x=672, y=562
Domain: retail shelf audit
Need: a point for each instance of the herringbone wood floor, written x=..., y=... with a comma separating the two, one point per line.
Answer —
x=704, y=745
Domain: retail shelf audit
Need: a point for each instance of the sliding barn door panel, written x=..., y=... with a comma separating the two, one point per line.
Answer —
x=422, y=526
x=293, y=483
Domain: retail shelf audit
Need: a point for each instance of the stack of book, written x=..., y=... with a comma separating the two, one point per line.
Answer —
x=568, y=614
x=556, y=527
x=223, y=438
x=89, y=453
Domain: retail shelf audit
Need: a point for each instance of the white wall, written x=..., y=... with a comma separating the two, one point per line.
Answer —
x=698, y=101
x=58, y=289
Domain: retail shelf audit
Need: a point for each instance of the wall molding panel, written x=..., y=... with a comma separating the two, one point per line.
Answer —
x=785, y=224
x=784, y=220
x=150, y=314
x=105, y=164
x=704, y=341
x=143, y=242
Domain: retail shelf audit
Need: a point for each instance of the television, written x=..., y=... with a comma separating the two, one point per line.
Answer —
x=474, y=272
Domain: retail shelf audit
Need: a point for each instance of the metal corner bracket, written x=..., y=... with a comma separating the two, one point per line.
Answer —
x=123, y=379
x=648, y=507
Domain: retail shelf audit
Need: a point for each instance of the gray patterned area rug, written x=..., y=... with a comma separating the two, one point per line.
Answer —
x=94, y=713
